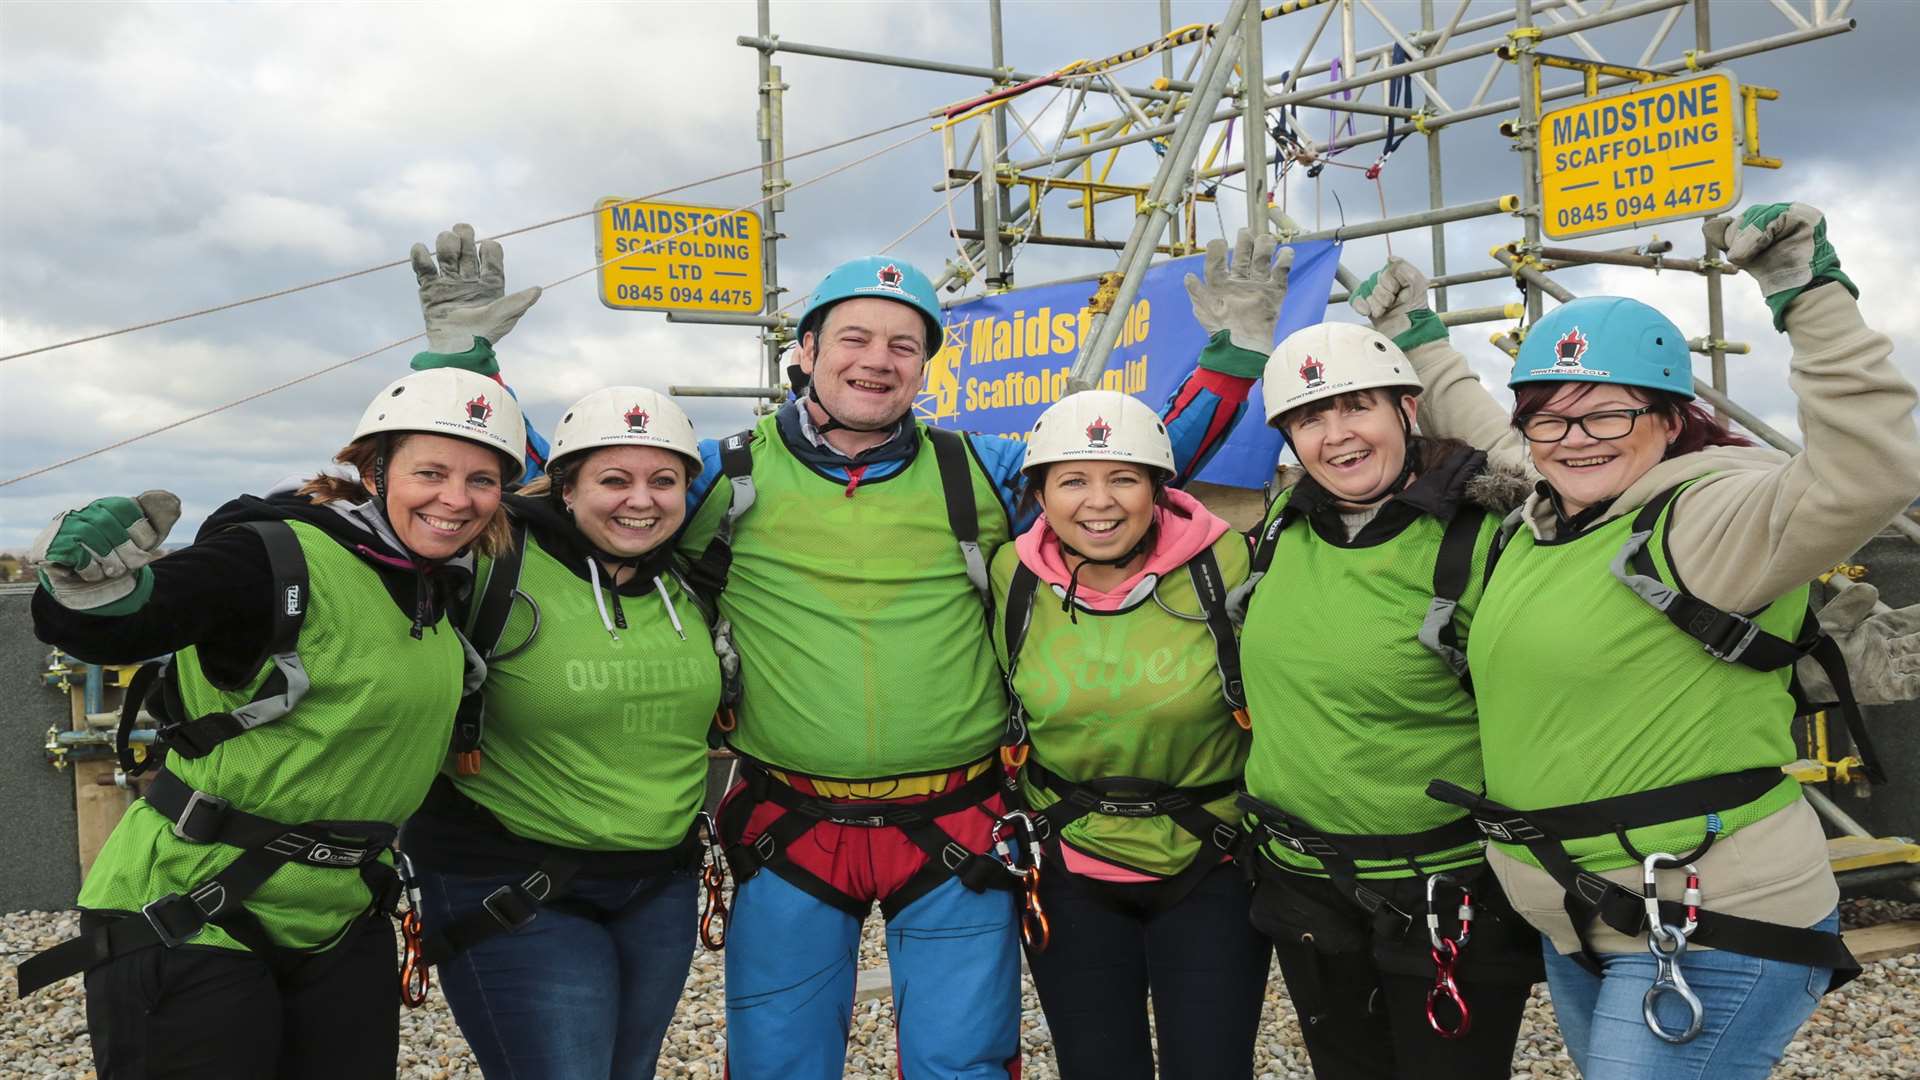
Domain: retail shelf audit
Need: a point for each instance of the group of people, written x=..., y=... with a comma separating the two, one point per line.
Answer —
x=1488, y=697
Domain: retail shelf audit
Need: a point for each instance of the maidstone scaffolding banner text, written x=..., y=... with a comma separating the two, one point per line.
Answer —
x=1007, y=357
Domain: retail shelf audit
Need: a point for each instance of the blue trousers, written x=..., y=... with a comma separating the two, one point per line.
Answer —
x=585, y=990
x=1753, y=1008
x=791, y=959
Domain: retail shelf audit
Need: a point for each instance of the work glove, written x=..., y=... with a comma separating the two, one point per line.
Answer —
x=1881, y=645
x=1394, y=300
x=94, y=559
x=1238, y=306
x=464, y=301
x=1784, y=246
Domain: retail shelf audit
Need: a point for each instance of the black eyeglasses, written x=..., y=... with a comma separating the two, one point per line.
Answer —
x=1605, y=424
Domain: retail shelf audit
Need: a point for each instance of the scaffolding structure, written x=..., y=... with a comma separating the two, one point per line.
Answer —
x=1226, y=80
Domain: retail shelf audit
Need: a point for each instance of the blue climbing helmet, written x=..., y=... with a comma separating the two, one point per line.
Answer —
x=1606, y=339
x=888, y=279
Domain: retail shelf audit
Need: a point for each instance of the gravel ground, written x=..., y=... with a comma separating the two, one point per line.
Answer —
x=1867, y=1030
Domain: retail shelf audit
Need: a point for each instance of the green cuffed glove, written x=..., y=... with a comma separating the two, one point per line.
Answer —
x=1394, y=300
x=463, y=298
x=94, y=559
x=1784, y=246
x=1881, y=645
x=1239, y=305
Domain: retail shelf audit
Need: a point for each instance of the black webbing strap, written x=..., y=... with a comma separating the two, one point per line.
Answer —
x=196, y=737
x=266, y=846
x=1452, y=572
x=963, y=514
x=1339, y=854
x=1725, y=635
x=1017, y=615
x=918, y=821
x=506, y=910
x=489, y=621
x=1211, y=588
x=1590, y=896
x=709, y=571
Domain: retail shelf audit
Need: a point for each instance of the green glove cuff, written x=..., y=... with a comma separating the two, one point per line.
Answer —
x=479, y=359
x=1223, y=356
x=1423, y=328
x=1778, y=302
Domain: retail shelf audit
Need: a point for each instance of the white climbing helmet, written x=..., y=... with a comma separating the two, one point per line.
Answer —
x=625, y=416
x=1319, y=362
x=451, y=402
x=1100, y=425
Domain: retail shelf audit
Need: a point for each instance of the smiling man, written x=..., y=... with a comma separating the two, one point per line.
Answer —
x=848, y=543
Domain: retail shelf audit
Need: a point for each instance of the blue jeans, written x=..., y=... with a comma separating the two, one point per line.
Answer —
x=954, y=956
x=585, y=990
x=1753, y=1008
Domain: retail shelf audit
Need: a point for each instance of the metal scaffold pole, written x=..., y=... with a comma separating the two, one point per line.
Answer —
x=1253, y=86
x=1436, y=198
x=1000, y=267
x=772, y=182
x=1157, y=209
x=1527, y=137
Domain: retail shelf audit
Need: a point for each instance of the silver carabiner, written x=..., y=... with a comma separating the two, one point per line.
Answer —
x=1668, y=944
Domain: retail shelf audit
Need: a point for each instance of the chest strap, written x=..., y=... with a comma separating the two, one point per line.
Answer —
x=1590, y=896
x=265, y=845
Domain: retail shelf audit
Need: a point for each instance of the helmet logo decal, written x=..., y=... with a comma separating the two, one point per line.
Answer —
x=637, y=418
x=1568, y=350
x=1097, y=433
x=1313, y=372
x=1566, y=357
x=478, y=411
x=889, y=278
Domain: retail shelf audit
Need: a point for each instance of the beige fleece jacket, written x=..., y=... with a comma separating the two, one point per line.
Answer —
x=1761, y=524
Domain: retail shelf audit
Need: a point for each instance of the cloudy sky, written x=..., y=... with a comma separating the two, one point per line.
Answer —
x=156, y=159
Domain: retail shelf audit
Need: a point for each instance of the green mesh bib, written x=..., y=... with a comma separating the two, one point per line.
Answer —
x=364, y=744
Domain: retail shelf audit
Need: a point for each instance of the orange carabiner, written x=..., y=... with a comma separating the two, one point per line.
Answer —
x=713, y=921
x=415, y=976
x=1035, y=930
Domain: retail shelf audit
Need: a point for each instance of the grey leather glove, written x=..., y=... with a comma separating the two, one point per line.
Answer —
x=1394, y=300
x=1243, y=298
x=94, y=558
x=465, y=296
x=1881, y=645
x=1784, y=246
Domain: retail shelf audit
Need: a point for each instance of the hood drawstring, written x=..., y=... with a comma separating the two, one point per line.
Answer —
x=672, y=615
x=600, y=600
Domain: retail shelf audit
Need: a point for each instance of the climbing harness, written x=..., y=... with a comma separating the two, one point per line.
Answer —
x=1668, y=943
x=918, y=821
x=416, y=977
x=1023, y=862
x=490, y=614
x=265, y=846
x=713, y=880
x=1446, y=958
x=1590, y=896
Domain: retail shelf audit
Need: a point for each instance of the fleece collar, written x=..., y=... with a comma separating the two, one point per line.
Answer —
x=1177, y=540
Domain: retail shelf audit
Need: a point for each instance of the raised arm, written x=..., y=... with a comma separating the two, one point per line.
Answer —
x=1747, y=537
x=1455, y=404
x=464, y=301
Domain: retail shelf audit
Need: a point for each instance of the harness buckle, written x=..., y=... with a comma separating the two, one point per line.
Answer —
x=1725, y=637
x=507, y=907
x=191, y=826
x=173, y=933
x=1511, y=831
x=1128, y=808
x=954, y=856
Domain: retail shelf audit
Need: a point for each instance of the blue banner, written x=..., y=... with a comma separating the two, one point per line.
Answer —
x=1007, y=357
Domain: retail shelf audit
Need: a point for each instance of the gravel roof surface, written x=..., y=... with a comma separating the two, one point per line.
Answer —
x=1867, y=1030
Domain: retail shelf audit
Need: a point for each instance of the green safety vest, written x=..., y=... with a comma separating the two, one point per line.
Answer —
x=594, y=742
x=1586, y=692
x=1131, y=693
x=363, y=744
x=862, y=639
x=1353, y=715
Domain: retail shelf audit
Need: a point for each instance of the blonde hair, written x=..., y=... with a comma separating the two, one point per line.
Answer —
x=365, y=454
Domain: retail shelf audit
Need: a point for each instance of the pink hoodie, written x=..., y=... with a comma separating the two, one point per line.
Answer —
x=1179, y=539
